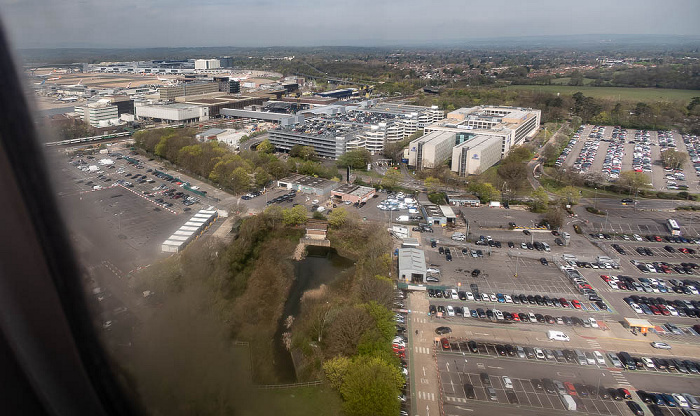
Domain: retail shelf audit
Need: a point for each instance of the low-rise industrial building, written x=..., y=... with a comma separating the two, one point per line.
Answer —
x=353, y=193
x=412, y=267
x=171, y=112
x=308, y=184
x=438, y=214
x=189, y=231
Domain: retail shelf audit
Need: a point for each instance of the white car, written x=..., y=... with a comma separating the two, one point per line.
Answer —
x=636, y=308
x=540, y=354
x=648, y=362
x=593, y=322
x=637, y=237
x=507, y=382
x=454, y=294
x=450, y=310
x=673, y=310
x=470, y=296
x=498, y=314
x=508, y=298
x=599, y=357
x=467, y=312
x=493, y=298
x=682, y=402
x=432, y=270
x=660, y=345
x=485, y=297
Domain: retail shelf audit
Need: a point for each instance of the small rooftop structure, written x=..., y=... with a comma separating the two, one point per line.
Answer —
x=412, y=265
x=353, y=193
x=316, y=229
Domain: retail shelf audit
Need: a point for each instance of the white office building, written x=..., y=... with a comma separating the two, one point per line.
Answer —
x=207, y=64
x=475, y=155
x=99, y=114
x=430, y=150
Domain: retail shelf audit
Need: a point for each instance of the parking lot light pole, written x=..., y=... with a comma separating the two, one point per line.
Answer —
x=599, y=378
x=595, y=198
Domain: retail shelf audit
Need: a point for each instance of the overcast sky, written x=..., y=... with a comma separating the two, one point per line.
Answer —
x=174, y=23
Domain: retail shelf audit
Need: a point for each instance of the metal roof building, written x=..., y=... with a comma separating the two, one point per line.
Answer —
x=412, y=265
x=188, y=232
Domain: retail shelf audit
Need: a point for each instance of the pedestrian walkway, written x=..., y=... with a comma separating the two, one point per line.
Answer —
x=620, y=378
x=425, y=393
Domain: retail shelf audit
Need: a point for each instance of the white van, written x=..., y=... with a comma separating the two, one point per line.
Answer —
x=557, y=336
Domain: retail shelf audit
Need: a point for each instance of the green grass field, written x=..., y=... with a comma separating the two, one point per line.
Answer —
x=565, y=81
x=299, y=401
x=616, y=93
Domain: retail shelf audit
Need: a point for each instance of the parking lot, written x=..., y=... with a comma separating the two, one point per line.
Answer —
x=610, y=151
x=527, y=394
x=503, y=270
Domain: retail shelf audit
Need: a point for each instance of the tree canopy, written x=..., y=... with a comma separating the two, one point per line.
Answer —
x=356, y=159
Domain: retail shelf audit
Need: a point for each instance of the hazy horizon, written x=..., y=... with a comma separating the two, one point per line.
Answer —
x=303, y=23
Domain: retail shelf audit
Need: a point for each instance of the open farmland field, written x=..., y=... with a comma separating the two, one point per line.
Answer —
x=616, y=93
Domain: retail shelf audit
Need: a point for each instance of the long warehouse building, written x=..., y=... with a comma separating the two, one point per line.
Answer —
x=189, y=231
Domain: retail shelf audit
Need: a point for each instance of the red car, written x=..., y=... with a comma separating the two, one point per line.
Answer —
x=624, y=393
x=570, y=388
x=654, y=310
x=445, y=343
x=663, y=310
x=683, y=250
x=576, y=303
x=516, y=317
x=564, y=303
x=657, y=238
x=605, y=278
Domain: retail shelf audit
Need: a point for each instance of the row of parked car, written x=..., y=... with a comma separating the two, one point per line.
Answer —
x=661, y=306
x=399, y=347
x=497, y=315
x=589, y=151
x=685, y=401
x=652, y=284
x=665, y=267
x=566, y=390
x=289, y=196
x=692, y=143
x=475, y=295
x=612, y=164
x=569, y=147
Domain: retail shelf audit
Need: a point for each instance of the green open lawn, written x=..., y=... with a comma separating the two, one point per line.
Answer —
x=616, y=93
x=299, y=401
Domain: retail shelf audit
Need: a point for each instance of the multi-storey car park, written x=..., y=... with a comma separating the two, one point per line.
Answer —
x=335, y=129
